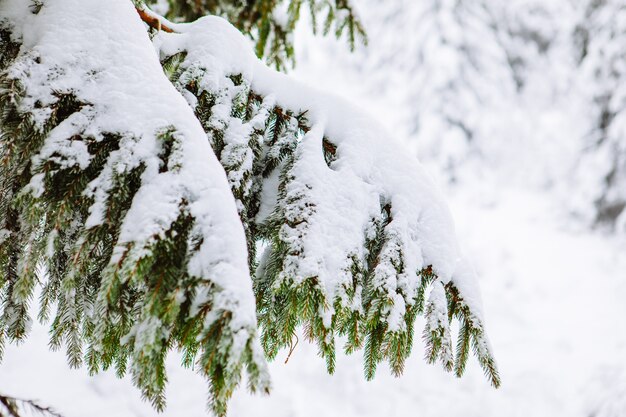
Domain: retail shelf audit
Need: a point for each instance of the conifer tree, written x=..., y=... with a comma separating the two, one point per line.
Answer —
x=144, y=164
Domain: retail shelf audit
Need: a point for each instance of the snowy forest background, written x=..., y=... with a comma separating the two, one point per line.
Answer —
x=518, y=110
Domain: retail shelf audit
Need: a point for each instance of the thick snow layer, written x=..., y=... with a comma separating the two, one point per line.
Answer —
x=370, y=165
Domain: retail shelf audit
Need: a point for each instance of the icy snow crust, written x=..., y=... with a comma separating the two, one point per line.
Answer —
x=370, y=168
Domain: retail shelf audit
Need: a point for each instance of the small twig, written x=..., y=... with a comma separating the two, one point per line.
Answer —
x=154, y=20
x=10, y=405
x=292, y=347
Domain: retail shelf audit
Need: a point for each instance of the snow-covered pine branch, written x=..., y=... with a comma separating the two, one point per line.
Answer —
x=147, y=243
x=108, y=178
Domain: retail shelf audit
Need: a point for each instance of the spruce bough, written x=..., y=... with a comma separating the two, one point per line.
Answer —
x=136, y=189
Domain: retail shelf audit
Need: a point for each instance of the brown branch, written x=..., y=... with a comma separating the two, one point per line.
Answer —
x=292, y=347
x=11, y=406
x=153, y=20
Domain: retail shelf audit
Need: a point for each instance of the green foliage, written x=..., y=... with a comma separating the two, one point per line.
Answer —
x=8, y=48
x=271, y=23
x=471, y=332
x=360, y=313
